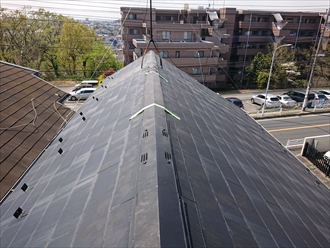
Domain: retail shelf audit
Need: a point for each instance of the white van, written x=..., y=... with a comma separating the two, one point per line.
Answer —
x=81, y=94
x=90, y=82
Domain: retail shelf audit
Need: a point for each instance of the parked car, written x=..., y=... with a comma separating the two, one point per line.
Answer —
x=320, y=100
x=286, y=101
x=272, y=101
x=299, y=95
x=81, y=94
x=326, y=93
x=236, y=101
x=81, y=86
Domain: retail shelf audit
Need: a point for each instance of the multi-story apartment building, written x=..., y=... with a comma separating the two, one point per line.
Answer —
x=190, y=39
x=254, y=31
x=213, y=46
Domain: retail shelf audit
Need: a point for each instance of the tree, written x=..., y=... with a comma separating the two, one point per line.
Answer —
x=57, y=45
x=98, y=59
x=75, y=40
x=282, y=72
x=27, y=35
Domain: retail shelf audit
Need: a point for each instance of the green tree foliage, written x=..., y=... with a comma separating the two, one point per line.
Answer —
x=53, y=44
x=99, y=59
x=284, y=69
x=76, y=40
x=322, y=68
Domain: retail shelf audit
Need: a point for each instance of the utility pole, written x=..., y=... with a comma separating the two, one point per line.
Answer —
x=309, y=85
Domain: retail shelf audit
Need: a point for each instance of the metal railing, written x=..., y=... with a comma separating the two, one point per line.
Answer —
x=295, y=143
x=317, y=158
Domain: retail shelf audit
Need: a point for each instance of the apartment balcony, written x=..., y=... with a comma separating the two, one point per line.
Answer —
x=205, y=78
x=221, y=78
x=253, y=38
x=133, y=23
x=221, y=48
x=194, y=62
x=175, y=25
x=250, y=51
x=254, y=25
x=238, y=77
x=174, y=45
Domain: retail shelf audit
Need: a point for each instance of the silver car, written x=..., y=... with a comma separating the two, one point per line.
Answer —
x=81, y=94
x=272, y=101
x=326, y=93
x=286, y=101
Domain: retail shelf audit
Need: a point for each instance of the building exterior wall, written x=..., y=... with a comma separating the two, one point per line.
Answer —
x=214, y=51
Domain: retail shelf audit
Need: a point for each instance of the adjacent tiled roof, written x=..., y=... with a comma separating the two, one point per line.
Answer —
x=155, y=159
x=30, y=116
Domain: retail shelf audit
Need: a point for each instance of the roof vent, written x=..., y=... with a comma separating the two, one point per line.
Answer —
x=24, y=187
x=106, y=87
x=317, y=183
x=19, y=213
x=81, y=113
x=96, y=99
x=144, y=158
x=168, y=157
x=145, y=133
x=164, y=133
x=60, y=151
x=60, y=139
x=83, y=118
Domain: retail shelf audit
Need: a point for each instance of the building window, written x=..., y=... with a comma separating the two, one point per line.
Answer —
x=311, y=20
x=197, y=71
x=167, y=18
x=255, y=33
x=264, y=33
x=289, y=20
x=293, y=33
x=166, y=35
x=134, y=31
x=199, y=54
x=177, y=54
x=164, y=54
x=187, y=35
x=253, y=19
x=132, y=16
x=265, y=19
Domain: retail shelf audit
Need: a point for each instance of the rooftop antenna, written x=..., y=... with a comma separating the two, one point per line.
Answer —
x=151, y=40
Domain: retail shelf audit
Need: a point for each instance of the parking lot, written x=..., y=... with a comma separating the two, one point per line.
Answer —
x=244, y=96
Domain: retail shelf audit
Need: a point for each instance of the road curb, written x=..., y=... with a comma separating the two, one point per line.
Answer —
x=289, y=113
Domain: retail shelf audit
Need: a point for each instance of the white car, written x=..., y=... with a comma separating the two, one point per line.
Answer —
x=287, y=102
x=81, y=94
x=272, y=101
x=326, y=93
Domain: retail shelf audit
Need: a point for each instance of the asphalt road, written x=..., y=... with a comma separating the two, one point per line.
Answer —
x=297, y=127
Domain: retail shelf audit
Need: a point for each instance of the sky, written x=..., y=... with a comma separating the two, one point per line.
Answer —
x=110, y=9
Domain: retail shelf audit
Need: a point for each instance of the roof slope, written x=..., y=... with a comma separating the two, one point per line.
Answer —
x=30, y=116
x=155, y=159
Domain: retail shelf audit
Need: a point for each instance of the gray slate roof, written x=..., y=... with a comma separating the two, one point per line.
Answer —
x=154, y=159
x=30, y=116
